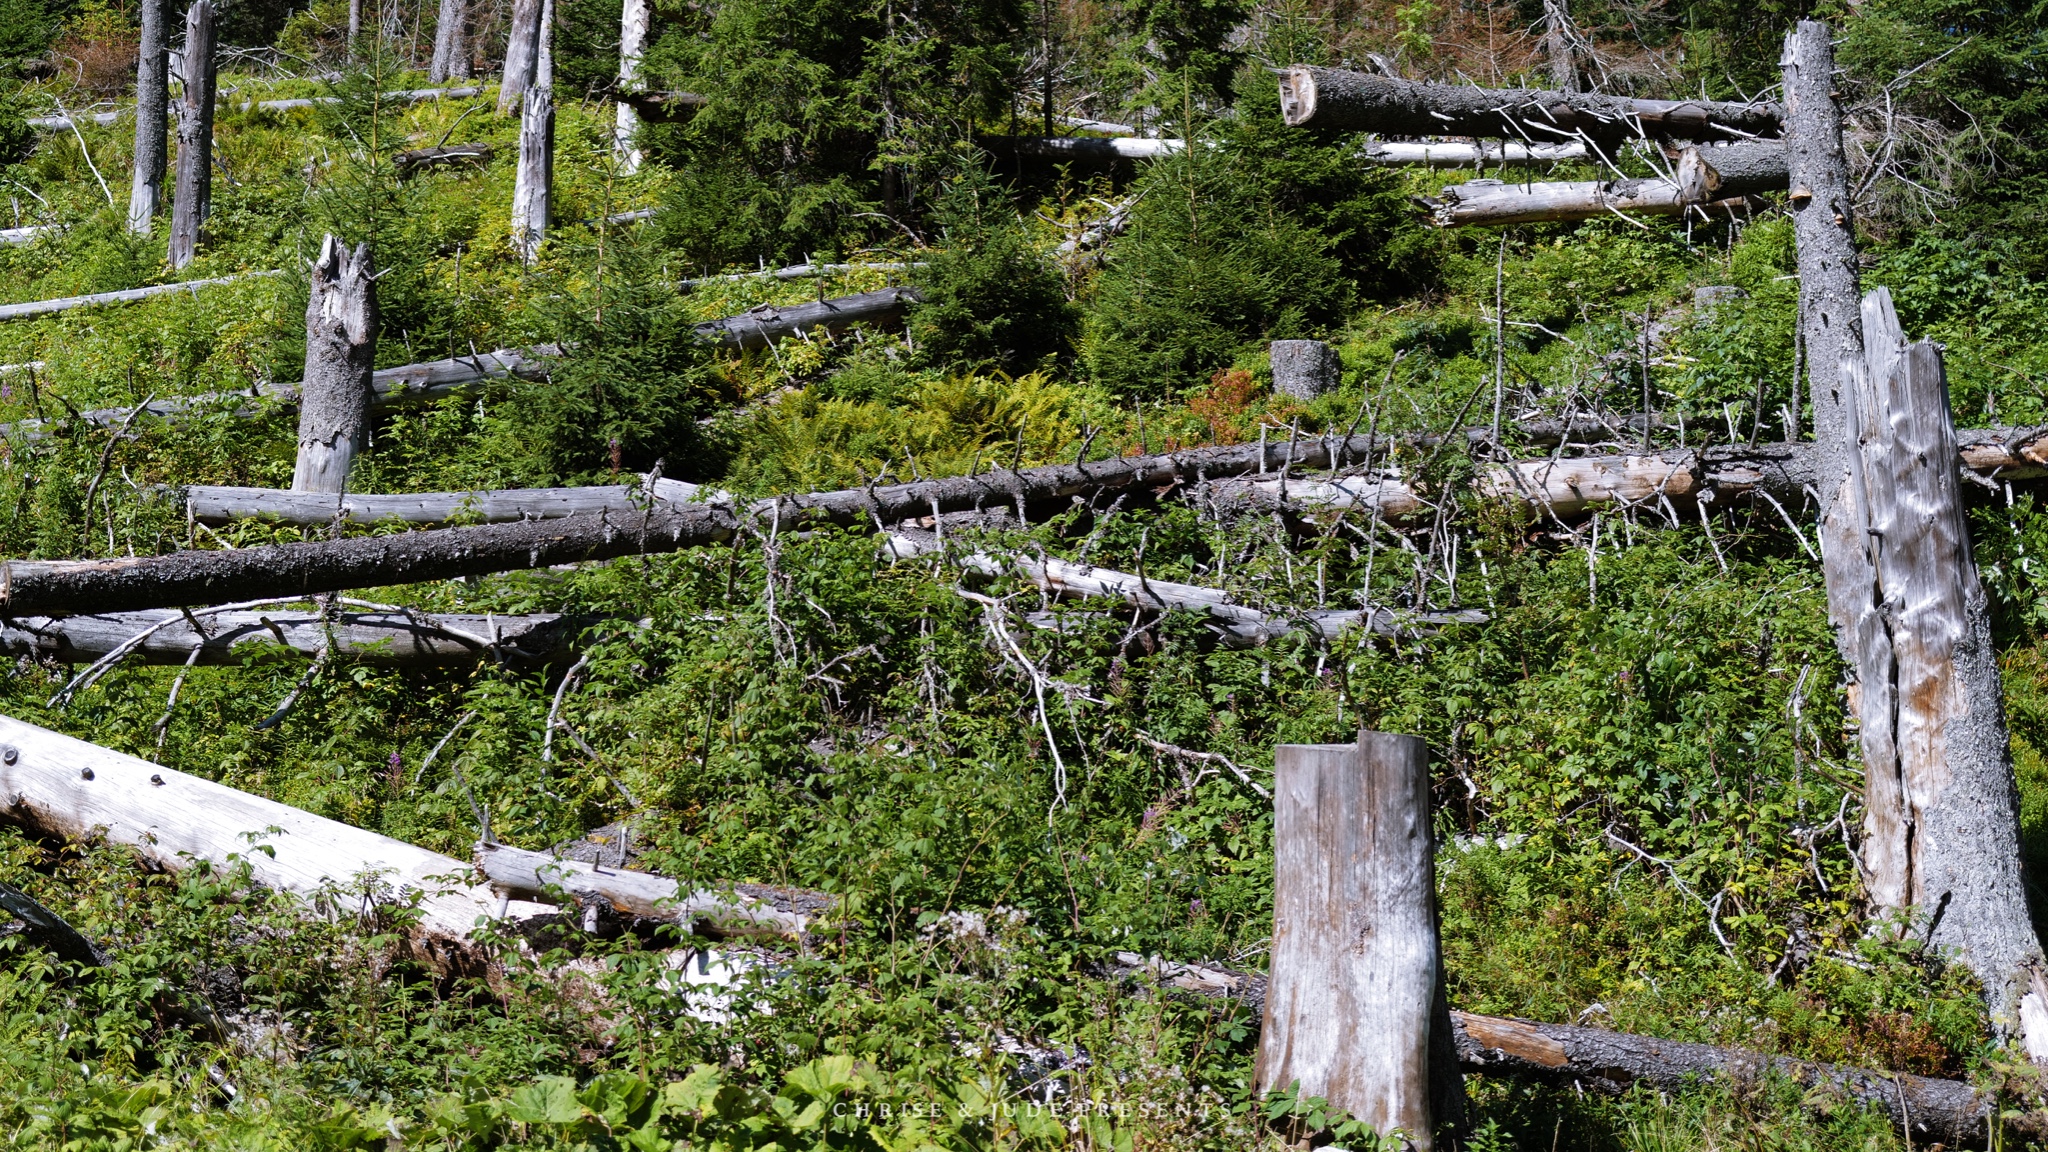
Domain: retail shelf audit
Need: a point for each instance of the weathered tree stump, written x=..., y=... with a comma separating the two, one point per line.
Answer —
x=1305, y=369
x=341, y=351
x=194, y=198
x=1355, y=1011
x=152, y=105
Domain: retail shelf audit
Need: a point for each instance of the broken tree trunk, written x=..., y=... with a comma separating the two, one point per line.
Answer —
x=30, y=308
x=1354, y=1006
x=725, y=911
x=1941, y=806
x=633, y=16
x=1433, y=154
x=521, y=46
x=221, y=504
x=451, y=43
x=1305, y=369
x=533, y=181
x=1340, y=101
x=194, y=197
x=341, y=350
x=65, y=787
x=760, y=327
x=409, y=639
x=1704, y=177
x=152, y=106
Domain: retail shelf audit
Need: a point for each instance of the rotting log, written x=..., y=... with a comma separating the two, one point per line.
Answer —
x=1340, y=101
x=221, y=504
x=403, y=96
x=193, y=201
x=760, y=327
x=805, y=271
x=125, y=296
x=64, y=787
x=341, y=350
x=1354, y=1009
x=1941, y=805
x=418, y=160
x=152, y=106
x=1467, y=154
x=406, y=639
x=720, y=911
x=1704, y=178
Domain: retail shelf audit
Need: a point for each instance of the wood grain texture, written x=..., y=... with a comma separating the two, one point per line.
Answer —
x=521, y=45
x=152, y=107
x=1465, y=154
x=193, y=201
x=1353, y=997
x=396, y=639
x=533, y=182
x=633, y=20
x=1341, y=101
x=341, y=350
x=65, y=787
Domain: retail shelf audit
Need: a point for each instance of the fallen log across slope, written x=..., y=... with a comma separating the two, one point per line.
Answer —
x=1337, y=100
x=1703, y=177
x=762, y=326
x=720, y=911
x=221, y=504
x=126, y=296
x=1465, y=154
x=414, y=639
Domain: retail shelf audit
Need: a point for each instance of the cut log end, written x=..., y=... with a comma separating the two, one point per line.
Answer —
x=1297, y=96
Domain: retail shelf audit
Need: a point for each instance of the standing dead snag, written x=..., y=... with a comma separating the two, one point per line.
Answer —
x=1355, y=1005
x=1941, y=820
x=633, y=15
x=451, y=44
x=341, y=349
x=194, y=198
x=520, y=48
x=152, y=99
x=535, y=175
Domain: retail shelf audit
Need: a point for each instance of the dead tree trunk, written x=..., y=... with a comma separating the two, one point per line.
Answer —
x=757, y=910
x=400, y=639
x=760, y=327
x=1942, y=809
x=1354, y=1006
x=535, y=177
x=1557, y=45
x=341, y=351
x=520, y=47
x=1340, y=101
x=1463, y=154
x=1305, y=369
x=152, y=107
x=451, y=43
x=633, y=16
x=1704, y=177
x=220, y=504
x=194, y=196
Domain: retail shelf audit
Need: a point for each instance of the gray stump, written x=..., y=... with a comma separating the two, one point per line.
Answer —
x=1305, y=369
x=341, y=351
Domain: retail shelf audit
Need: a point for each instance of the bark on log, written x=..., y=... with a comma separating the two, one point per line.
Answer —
x=633, y=17
x=451, y=43
x=385, y=638
x=30, y=308
x=152, y=106
x=1433, y=154
x=341, y=349
x=521, y=45
x=64, y=787
x=664, y=106
x=418, y=160
x=1941, y=803
x=1704, y=177
x=760, y=327
x=194, y=198
x=220, y=504
x=1305, y=369
x=1355, y=998
x=804, y=271
x=723, y=912
x=1342, y=101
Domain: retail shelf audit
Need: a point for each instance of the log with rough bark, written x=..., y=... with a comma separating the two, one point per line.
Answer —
x=418, y=160
x=64, y=787
x=1305, y=369
x=633, y=16
x=664, y=106
x=1354, y=1007
x=152, y=105
x=1341, y=101
x=1704, y=177
x=193, y=200
x=126, y=296
x=374, y=637
x=760, y=327
x=725, y=911
x=1941, y=808
x=451, y=43
x=1433, y=154
x=220, y=504
x=533, y=183
x=804, y=271
x=521, y=47
x=341, y=349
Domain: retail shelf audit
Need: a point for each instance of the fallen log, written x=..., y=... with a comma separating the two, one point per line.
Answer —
x=418, y=160
x=805, y=271
x=413, y=96
x=1341, y=101
x=1705, y=177
x=1438, y=154
x=721, y=911
x=1080, y=149
x=126, y=296
x=11, y=237
x=63, y=787
x=392, y=638
x=760, y=327
x=222, y=504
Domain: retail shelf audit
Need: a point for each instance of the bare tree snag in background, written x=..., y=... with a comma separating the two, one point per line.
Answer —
x=1944, y=824
x=520, y=48
x=535, y=177
x=451, y=43
x=1341, y=101
x=152, y=108
x=341, y=349
x=1355, y=1011
x=194, y=196
x=633, y=16
x=1557, y=44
